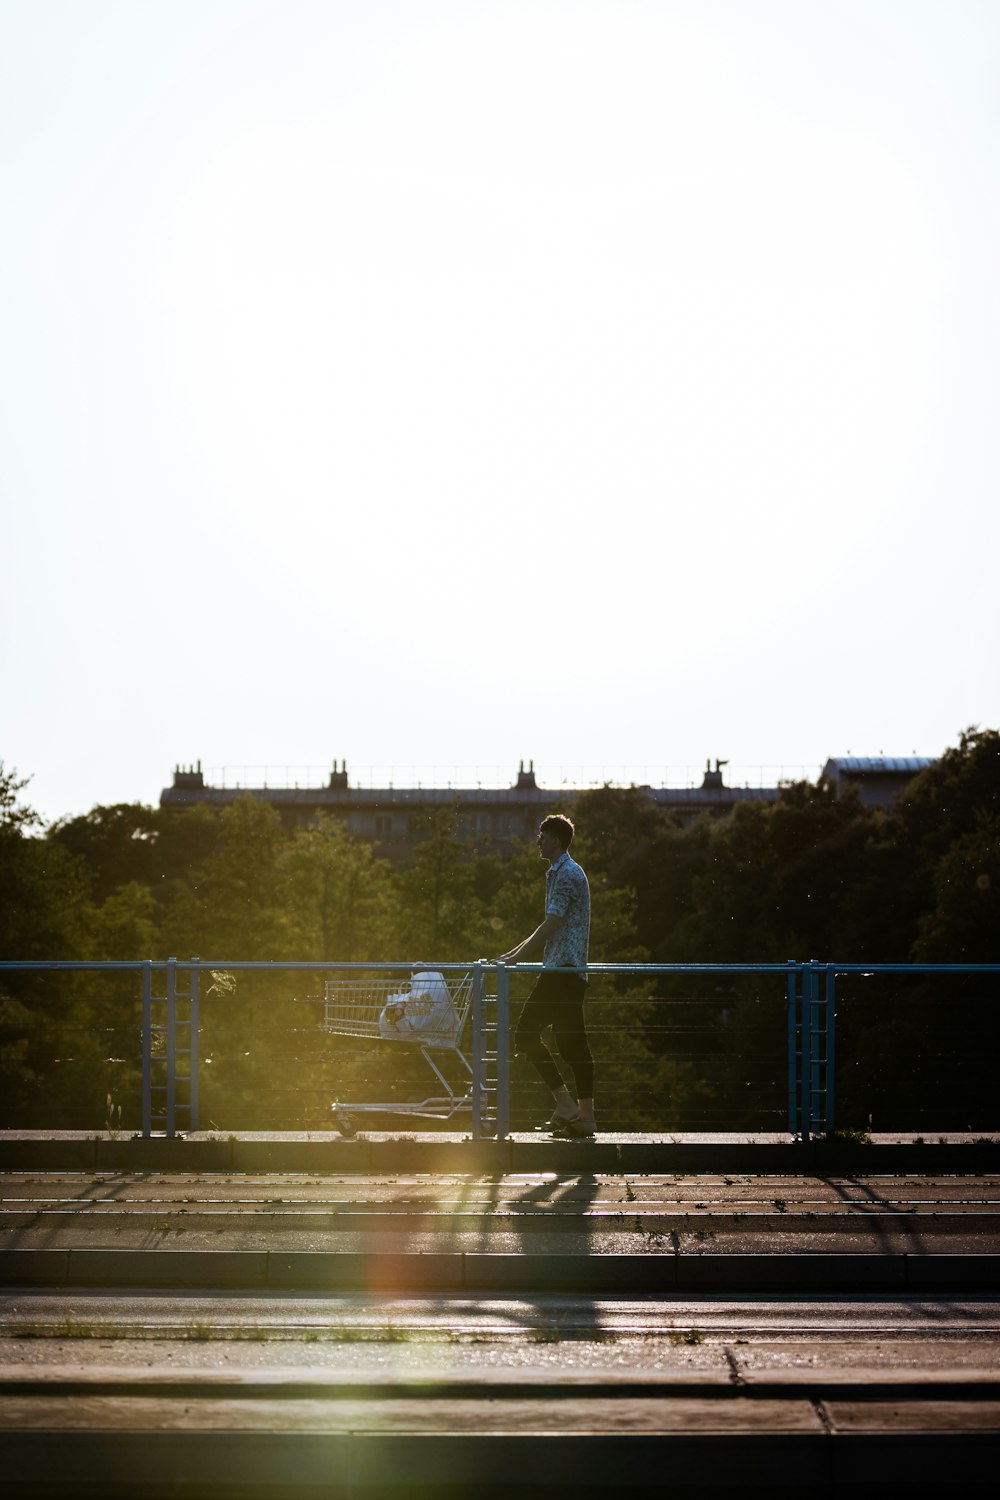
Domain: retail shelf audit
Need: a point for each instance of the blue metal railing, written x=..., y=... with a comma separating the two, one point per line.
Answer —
x=170, y=1026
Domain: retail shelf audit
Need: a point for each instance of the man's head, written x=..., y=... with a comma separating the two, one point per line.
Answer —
x=555, y=834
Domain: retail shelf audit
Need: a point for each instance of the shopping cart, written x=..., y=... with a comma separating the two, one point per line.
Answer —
x=425, y=1012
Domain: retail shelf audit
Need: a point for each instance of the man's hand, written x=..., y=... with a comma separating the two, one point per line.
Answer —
x=537, y=940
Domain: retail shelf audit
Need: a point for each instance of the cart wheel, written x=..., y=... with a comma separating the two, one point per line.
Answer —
x=346, y=1123
x=487, y=1127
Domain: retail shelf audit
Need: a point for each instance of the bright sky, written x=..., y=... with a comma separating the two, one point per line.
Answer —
x=437, y=383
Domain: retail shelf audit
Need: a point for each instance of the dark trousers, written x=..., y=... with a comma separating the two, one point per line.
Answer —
x=557, y=1001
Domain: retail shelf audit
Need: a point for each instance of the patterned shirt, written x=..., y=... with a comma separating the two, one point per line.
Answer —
x=567, y=895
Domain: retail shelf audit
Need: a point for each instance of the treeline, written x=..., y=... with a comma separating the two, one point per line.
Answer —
x=814, y=875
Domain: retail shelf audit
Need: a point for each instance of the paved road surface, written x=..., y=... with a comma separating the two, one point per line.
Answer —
x=117, y=1393
x=567, y=1212
x=197, y=1395
x=875, y=1331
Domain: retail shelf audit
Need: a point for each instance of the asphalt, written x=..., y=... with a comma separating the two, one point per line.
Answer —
x=321, y=1437
x=292, y=1316
x=443, y=1335
x=434, y=1216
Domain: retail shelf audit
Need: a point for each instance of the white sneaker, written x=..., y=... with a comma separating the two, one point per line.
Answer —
x=565, y=1110
x=577, y=1129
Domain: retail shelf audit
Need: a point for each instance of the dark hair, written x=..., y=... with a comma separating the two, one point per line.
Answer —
x=559, y=825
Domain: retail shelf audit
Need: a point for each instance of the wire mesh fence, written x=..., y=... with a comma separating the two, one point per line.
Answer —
x=692, y=1052
x=71, y=1050
x=280, y=1054
x=693, y=1048
x=917, y=1051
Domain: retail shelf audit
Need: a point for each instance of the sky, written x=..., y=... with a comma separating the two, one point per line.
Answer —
x=437, y=384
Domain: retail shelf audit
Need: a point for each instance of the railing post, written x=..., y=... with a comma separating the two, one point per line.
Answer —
x=193, y=1050
x=810, y=999
x=478, y=1070
x=794, y=1037
x=815, y=1095
x=170, y=1123
x=503, y=1052
x=831, y=1048
x=147, y=1048
x=822, y=1048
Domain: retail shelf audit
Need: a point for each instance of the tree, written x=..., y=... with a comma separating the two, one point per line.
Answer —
x=963, y=926
x=943, y=820
x=943, y=803
x=123, y=926
x=229, y=903
x=117, y=844
x=43, y=889
x=336, y=895
x=49, y=1034
x=634, y=844
x=440, y=916
x=15, y=817
x=775, y=880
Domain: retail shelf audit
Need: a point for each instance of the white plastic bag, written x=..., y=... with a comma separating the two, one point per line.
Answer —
x=426, y=1011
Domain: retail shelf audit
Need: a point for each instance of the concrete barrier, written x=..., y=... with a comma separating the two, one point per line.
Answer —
x=345, y=1271
x=34, y=1267
x=167, y=1268
x=433, y=1153
x=469, y=1271
x=956, y=1273
x=268, y=1465
x=756, y=1273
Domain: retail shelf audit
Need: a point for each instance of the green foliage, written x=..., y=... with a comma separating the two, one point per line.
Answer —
x=439, y=913
x=850, y=1137
x=337, y=898
x=813, y=875
x=123, y=926
x=775, y=881
x=15, y=816
x=229, y=901
x=632, y=844
x=945, y=801
x=43, y=889
x=117, y=845
x=964, y=922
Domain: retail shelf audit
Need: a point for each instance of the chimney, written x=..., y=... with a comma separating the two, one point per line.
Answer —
x=189, y=776
x=526, y=778
x=338, y=779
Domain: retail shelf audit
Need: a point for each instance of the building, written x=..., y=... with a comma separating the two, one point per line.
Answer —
x=392, y=818
x=878, y=779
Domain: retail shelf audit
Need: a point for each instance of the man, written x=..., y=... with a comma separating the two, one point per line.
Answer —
x=557, y=999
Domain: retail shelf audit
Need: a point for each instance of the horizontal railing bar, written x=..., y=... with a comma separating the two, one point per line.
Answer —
x=809, y=1046
x=313, y=966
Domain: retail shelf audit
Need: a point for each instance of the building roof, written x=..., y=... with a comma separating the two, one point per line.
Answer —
x=877, y=765
x=190, y=787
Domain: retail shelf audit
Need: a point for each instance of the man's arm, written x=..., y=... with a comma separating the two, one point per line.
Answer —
x=536, y=940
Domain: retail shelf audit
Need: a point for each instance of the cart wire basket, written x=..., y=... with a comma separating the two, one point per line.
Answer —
x=426, y=1013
